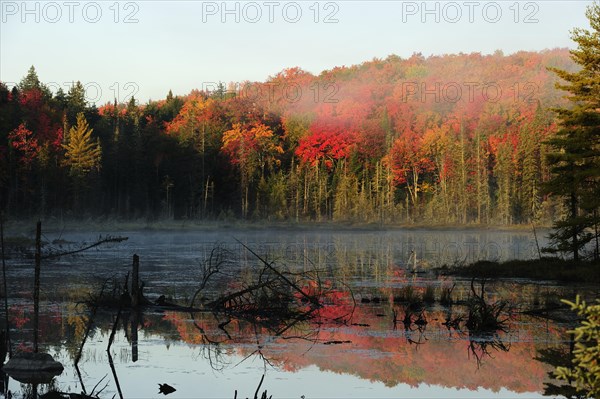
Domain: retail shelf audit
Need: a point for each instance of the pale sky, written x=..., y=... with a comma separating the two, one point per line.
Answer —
x=148, y=47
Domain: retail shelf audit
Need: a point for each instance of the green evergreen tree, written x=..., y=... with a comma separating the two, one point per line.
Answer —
x=60, y=99
x=220, y=92
x=75, y=101
x=575, y=159
x=31, y=81
x=584, y=373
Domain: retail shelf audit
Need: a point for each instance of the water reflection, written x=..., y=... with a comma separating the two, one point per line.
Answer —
x=391, y=346
x=368, y=348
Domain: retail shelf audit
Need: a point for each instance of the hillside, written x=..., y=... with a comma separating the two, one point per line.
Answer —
x=439, y=139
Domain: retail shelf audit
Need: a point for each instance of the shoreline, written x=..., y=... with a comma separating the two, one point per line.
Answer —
x=24, y=226
x=544, y=269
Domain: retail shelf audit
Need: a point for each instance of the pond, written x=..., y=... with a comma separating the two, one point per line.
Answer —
x=370, y=351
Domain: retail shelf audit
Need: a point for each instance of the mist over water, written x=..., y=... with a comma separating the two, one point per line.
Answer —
x=373, y=359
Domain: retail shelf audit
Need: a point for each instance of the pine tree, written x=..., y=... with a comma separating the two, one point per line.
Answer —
x=76, y=102
x=30, y=81
x=82, y=154
x=575, y=159
x=584, y=374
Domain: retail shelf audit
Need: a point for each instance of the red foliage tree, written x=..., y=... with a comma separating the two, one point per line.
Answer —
x=22, y=140
x=408, y=161
x=327, y=142
x=40, y=118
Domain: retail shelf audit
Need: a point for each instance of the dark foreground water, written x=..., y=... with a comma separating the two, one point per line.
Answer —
x=366, y=355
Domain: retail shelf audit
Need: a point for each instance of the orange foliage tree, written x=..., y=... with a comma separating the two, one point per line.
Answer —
x=253, y=149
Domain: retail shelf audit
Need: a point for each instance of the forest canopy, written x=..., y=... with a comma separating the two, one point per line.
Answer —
x=441, y=139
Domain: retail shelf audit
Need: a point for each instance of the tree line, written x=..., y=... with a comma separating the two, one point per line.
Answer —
x=451, y=139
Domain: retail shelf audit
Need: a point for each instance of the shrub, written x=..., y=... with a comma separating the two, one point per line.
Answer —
x=584, y=374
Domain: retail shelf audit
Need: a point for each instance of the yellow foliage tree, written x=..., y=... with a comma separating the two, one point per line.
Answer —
x=82, y=153
x=252, y=149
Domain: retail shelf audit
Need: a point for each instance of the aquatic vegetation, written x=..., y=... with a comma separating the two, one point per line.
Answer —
x=429, y=294
x=486, y=317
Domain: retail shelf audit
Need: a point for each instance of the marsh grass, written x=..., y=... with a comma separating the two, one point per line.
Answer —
x=406, y=294
x=446, y=295
x=429, y=294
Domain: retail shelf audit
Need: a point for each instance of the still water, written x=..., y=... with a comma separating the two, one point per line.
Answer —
x=371, y=354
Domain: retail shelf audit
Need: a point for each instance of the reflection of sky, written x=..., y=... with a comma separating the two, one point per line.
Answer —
x=183, y=367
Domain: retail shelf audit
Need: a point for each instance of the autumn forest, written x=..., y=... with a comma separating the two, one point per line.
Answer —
x=452, y=139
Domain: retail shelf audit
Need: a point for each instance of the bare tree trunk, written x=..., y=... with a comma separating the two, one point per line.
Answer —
x=297, y=202
x=134, y=336
x=5, y=286
x=463, y=168
x=597, y=251
x=135, y=277
x=206, y=190
x=306, y=198
x=36, y=284
x=575, y=238
x=319, y=195
x=478, y=163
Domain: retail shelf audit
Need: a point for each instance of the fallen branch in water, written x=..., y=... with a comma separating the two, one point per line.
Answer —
x=101, y=241
x=269, y=295
x=311, y=299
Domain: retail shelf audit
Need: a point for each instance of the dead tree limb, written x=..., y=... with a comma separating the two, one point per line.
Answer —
x=106, y=240
x=88, y=328
x=114, y=372
x=311, y=299
x=239, y=294
x=210, y=267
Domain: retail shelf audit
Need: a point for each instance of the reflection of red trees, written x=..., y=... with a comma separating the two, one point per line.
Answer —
x=51, y=326
x=378, y=353
x=18, y=316
x=336, y=305
x=185, y=328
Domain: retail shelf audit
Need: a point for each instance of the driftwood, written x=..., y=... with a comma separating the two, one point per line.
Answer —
x=270, y=294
